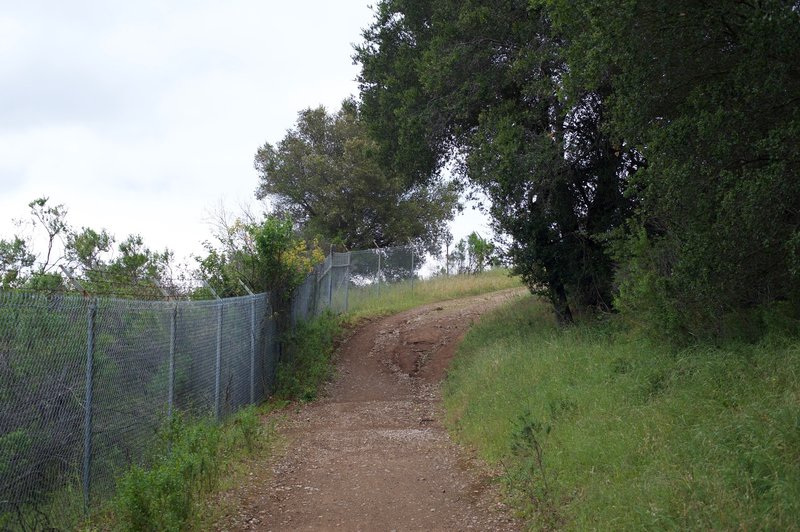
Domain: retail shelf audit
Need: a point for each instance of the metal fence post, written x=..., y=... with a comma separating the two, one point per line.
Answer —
x=347, y=284
x=218, y=372
x=252, y=342
x=330, y=283
x=252, y=349
x=315, y=293
x=173, y=326
x=378, y=251
x=87, y=419
x=412, y=269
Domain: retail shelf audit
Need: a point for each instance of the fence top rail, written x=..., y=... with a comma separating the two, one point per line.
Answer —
x=14, y=298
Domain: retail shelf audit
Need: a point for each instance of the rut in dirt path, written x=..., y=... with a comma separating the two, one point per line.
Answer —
x=372, y=454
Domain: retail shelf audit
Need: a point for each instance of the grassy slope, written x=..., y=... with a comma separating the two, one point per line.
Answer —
x=402, y=296
x=596, y=430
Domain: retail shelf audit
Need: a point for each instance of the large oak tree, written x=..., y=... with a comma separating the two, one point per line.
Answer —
x=326, y=175
x=478, y=82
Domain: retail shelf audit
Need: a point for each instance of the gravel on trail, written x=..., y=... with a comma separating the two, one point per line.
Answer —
x=372, y=453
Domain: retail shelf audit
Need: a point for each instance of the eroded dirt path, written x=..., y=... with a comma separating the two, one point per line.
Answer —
x=373, y=454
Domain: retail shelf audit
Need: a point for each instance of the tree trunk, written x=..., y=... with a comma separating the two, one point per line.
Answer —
x=562, y=310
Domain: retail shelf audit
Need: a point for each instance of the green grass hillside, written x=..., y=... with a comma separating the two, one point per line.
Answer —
x=401, y=296
x=599, y=430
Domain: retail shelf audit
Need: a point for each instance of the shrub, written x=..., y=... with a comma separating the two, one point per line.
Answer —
x=307, y=363
x=161, y=497
x=186, y=465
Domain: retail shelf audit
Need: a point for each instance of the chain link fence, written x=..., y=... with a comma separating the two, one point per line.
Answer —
x=85, y=383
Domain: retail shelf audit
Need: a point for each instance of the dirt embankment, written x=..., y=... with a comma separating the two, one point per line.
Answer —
x=372, y=454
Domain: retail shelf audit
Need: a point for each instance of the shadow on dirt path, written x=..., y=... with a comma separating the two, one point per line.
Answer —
x=373, y=454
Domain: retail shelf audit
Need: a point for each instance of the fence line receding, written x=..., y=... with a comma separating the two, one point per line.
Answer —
x=85, y=383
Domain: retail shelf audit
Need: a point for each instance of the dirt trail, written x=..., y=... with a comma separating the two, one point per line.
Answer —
x=372, y=454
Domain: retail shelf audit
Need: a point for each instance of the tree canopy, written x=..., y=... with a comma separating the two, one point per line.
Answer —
x=637, y=154
x=709, y=92
x=481, y=80
x=326, y=175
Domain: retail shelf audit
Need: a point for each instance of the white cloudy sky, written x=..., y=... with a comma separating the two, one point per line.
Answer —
x=142, y=116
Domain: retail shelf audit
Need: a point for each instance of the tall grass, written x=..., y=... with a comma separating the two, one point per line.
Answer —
x=405, y=295
x=599, y=430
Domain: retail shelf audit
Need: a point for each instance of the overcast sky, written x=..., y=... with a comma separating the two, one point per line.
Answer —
x=142, y=116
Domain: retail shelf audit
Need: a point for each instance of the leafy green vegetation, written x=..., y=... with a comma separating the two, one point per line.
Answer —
x=308, y=362
x=185, y=468
x=599, y=429
x=473, y=254
x=326, y=175
x=131, y=270
x=267, y=256
x=708, y=93
x=638, y=155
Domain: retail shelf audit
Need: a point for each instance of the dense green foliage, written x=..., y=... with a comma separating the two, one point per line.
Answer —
x=482, y=79
x=708, y=91
x=307, y=365
x=650, y=147
x=15, y=259
x=161, y=497
x=186, y=467
x=267, y=256
x=325, y=174
x=598, y=430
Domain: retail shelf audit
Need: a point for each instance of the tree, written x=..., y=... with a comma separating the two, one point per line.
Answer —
x=15, y=260
x=85, y=248
x=131, y=271
x=268, y=256
x=325, y=175
x=481, y=252
x=482, y=80
x=651, y=146
x=708, y=92
x=136, y=263
x=282, y=259
x=471, y=255
x=51, y=218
